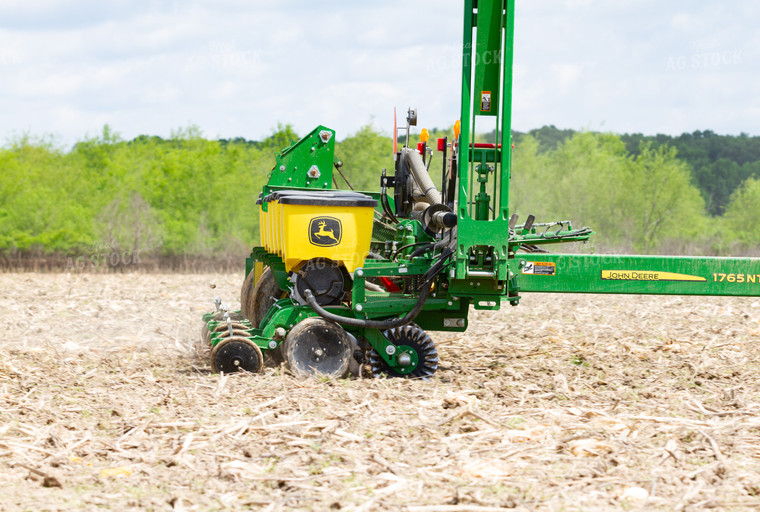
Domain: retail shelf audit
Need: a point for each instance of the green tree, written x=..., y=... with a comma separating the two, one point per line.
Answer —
x=38, y=212
x=528, y=187
x=364, y=155
x=659, y=199
x=280, y=139
x=742, y=220
x=584, y=184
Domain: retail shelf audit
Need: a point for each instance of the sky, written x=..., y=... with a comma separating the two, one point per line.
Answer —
x=237, y=68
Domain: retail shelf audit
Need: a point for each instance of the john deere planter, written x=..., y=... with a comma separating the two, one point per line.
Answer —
x=345, y=277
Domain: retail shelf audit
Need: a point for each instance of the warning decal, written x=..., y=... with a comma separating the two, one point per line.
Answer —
x=540, y=268
x=485, y=101
x=647, y=275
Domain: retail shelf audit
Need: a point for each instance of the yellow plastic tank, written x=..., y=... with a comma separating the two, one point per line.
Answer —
x=263, y=224
x=334, y=224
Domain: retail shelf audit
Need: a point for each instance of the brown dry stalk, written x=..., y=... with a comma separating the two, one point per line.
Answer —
x=103, y=386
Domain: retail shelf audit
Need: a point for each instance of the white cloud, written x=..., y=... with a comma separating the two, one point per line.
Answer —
x=237, y=67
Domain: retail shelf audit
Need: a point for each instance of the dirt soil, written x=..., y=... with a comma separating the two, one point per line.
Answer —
x=564, y=403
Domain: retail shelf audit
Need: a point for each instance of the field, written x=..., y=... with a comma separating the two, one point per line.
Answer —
x=564, y=403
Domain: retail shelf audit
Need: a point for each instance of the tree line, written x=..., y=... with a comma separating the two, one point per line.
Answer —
x=187, y=195
x=719, y=164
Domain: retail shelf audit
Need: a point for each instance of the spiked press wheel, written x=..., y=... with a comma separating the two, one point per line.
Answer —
x=418, y=340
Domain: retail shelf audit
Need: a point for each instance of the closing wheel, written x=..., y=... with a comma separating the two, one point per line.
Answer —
x=234, y=354
x=316, y=347
x=415, y=338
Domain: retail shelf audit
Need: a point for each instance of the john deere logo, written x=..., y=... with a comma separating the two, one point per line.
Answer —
x=325, y=231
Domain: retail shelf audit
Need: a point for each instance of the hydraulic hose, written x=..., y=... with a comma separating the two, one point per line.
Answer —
x=386, y=205
x=432, y=246
x=422, y=177
x=403, y=248
x=449, y=248
x=370, y=324
x=421, y=250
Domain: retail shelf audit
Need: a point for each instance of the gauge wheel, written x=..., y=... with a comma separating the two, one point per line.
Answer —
x=316, y=347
